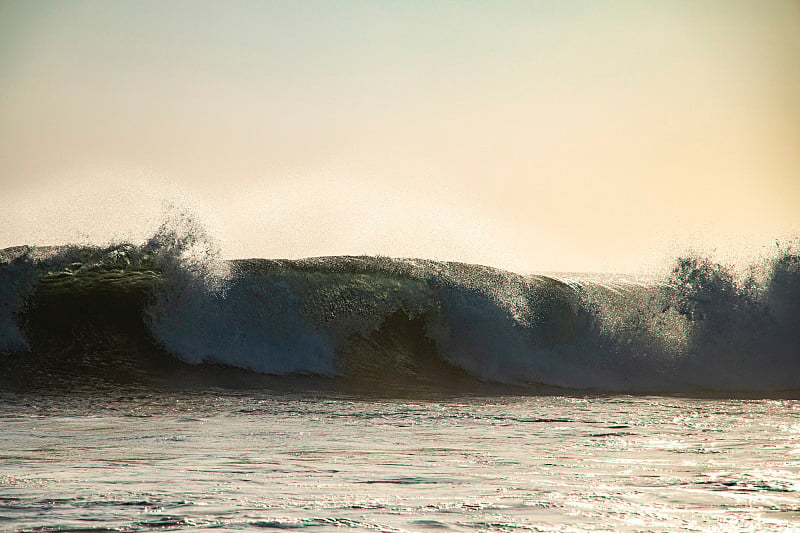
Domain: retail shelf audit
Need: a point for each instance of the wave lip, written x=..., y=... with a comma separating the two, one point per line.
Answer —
x=379, y=320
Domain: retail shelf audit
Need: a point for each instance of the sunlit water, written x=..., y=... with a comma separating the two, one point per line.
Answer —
x=235, y=461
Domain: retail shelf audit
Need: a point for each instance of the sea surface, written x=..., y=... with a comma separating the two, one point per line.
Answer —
x=158, y=387
x=130, y=459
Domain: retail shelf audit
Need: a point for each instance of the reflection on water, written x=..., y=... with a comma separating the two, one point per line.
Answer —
x=149, y=461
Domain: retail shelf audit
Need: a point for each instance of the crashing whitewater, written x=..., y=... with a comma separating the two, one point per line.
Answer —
x=84, y=309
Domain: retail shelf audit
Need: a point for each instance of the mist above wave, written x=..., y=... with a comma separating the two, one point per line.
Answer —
x=701, y=327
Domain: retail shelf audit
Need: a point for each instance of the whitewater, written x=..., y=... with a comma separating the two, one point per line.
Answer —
x=154, y=386
x=702, y=328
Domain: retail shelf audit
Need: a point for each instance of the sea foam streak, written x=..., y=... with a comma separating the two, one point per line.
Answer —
x=366, y=316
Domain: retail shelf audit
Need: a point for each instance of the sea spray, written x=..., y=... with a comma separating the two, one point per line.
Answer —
x=85, y=308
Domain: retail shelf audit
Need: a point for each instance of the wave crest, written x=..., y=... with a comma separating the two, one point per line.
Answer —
x=349, y=317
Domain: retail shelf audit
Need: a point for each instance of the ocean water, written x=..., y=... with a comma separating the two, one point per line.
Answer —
x=157, y=387
x=230, y=460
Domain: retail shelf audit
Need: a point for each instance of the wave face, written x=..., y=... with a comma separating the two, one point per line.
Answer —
x=129, y=309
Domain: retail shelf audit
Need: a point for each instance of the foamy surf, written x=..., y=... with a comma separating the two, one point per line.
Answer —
x=367, y=318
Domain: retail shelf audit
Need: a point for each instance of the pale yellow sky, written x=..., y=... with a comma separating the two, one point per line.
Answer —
x=529, y=135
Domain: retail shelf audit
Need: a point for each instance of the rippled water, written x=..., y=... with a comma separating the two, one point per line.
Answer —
x=234, y=461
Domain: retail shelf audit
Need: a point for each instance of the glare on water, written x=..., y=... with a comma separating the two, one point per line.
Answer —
x=236, y=461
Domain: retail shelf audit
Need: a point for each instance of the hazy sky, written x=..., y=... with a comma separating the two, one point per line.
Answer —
x=531, y=135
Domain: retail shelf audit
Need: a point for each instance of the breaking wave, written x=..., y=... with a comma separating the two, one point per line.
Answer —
x=127, y=309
